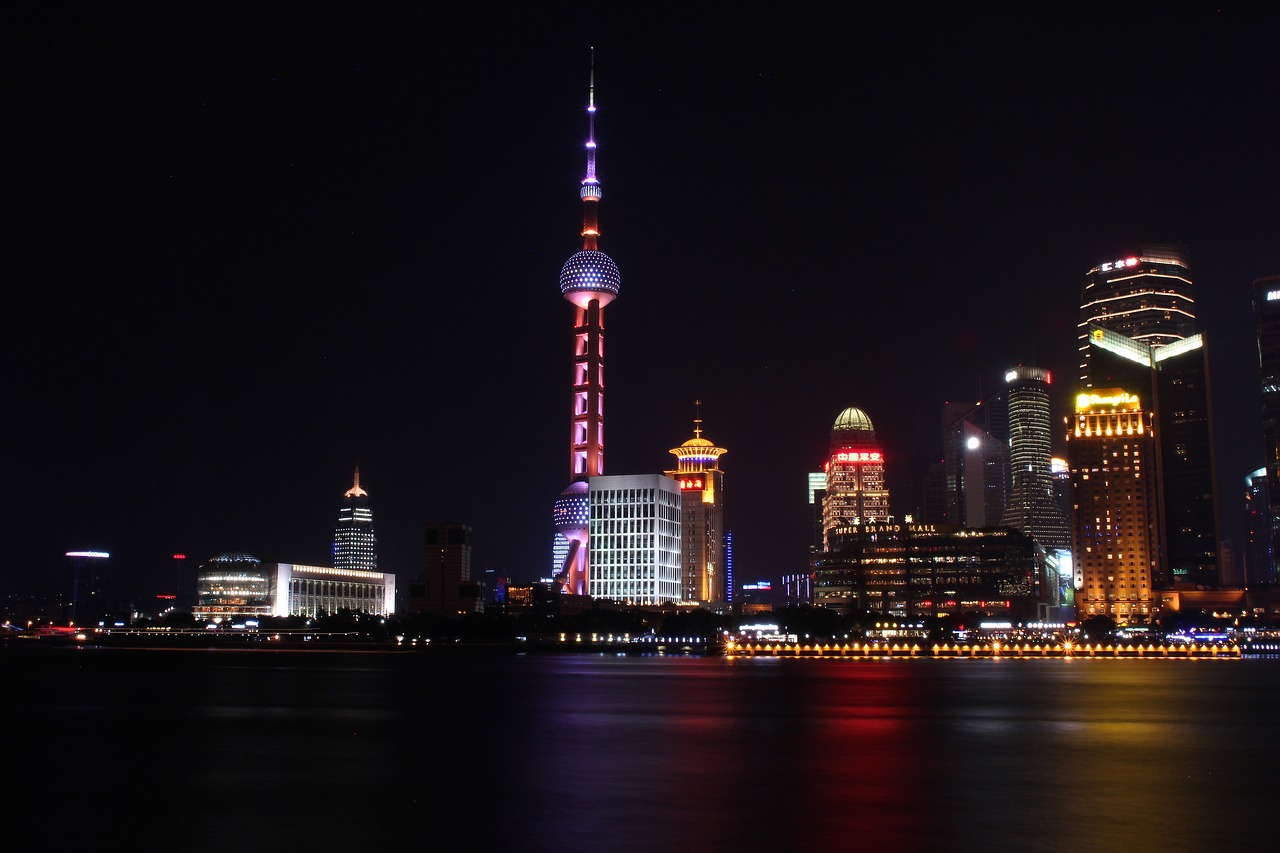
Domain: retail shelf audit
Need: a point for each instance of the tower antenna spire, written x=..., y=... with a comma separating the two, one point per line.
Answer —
x=590, y=281
x=590, y=191
x=697, y=419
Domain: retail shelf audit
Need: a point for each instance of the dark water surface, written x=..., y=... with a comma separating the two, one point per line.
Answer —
x=274, y=751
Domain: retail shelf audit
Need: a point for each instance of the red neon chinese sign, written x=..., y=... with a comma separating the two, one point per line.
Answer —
x=691, y=485
x=858, y=456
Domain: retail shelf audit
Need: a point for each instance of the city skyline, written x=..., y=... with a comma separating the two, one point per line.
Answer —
x=260, y=252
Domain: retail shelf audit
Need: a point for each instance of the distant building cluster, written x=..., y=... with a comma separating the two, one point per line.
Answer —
x=1126, y=526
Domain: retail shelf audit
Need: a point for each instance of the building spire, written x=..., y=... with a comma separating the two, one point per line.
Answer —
x=590, y=191
x=355, y=491
x=697, y=419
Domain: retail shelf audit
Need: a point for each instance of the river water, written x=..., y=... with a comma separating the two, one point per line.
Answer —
x=275, y=751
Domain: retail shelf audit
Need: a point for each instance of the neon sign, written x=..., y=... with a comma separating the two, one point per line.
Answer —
x=1119, y=265
x=858, y=456
x=690, y=485
x=1119, y=398
x=1273, y=295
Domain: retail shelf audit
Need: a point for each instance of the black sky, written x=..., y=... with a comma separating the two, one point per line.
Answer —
x=252, y=246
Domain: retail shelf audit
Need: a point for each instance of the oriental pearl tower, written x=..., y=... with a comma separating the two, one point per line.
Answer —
x=590, y=281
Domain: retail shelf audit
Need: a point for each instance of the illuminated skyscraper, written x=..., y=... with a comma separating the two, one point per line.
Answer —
x=1145, y=297
x=702, y=553
x=1032, y=507
x=1266, y=315
x=635, y=539
x=856, y=491
x=354, y=544
x=1111, y=449
x=590, y=280
x=1173, y=382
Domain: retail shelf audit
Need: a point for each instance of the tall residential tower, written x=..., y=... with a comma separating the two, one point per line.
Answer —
x=590, y=280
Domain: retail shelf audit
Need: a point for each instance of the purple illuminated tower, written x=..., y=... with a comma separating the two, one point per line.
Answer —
x=590, y=281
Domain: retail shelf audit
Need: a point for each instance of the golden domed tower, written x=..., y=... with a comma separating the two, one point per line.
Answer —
x=704, y=571
x=856, y=491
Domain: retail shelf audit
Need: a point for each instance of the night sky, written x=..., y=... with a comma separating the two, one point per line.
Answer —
x=252, y=246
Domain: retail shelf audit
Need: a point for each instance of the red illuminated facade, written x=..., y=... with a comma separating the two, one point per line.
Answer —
x=856, y=491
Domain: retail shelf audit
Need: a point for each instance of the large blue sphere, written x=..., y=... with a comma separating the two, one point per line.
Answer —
x=572, y=510
x=592, y=272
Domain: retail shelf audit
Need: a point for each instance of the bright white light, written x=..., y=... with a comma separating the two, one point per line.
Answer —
x=972, y=443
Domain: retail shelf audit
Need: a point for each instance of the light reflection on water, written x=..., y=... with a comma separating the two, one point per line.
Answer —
x=596, y=753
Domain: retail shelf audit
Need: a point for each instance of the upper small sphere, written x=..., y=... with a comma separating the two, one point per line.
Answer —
x=588, y=275
x=853, y=420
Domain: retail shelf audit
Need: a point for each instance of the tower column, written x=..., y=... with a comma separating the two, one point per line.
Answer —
x=590, y=281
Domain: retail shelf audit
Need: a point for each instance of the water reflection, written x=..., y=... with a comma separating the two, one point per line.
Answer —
x=585, y=753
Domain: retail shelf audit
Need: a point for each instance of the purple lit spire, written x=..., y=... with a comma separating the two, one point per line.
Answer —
x=590, y=179
x=590, y=274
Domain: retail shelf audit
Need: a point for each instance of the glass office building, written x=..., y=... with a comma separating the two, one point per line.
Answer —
x=634, y=536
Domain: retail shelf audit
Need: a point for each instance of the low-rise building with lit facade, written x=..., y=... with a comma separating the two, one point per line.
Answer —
x=236, y=587
x=797, y=589
x=913, y=570
x=231, y=588
x=311, y=591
